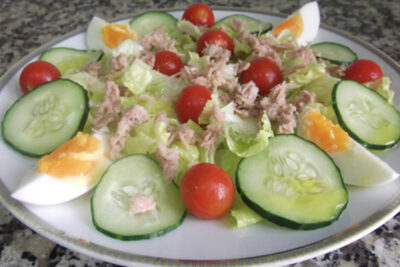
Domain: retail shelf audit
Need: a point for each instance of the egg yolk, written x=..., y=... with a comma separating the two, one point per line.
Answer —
x=328, y=136
x=293, y=23
x=78, y=156
x=113, y=34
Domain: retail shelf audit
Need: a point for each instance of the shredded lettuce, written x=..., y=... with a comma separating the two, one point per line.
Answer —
x=382, y=86
x=127, y=47
x=140, y=78
x=144, y=137
x=187, y=156
x=152, y=103
x=243, y=136
x=307, y=74
x=322, y=87
x=189, y=28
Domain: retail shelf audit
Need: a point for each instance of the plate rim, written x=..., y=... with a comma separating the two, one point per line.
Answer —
x=336, y=241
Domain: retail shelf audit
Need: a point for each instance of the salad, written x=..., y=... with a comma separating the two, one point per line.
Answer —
x=233, y=119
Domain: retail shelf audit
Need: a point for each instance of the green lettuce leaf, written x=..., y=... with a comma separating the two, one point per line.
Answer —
x=189, y=28
x=140, y=78
x=187, y=155
x=308, y=74
x=322, y=87
x=382, y=86
x=243, y=136
x=145, y=136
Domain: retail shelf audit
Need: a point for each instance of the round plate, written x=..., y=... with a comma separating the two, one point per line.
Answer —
x=201, y=241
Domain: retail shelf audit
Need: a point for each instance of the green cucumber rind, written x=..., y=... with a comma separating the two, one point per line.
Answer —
x=139, y=17
x=334, y=61
x=282, y=221
x=79, y=128
x=343, y=124
x=265, y=27
x=132, y=237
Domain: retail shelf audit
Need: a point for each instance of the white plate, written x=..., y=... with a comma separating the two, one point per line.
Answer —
x=199, y=240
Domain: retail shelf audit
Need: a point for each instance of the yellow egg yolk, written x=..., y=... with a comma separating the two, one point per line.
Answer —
x=293, y=23
x=77, y=157
x=113, y=34
x=325, y=134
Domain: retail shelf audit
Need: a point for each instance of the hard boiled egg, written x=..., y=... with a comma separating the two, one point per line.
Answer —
x=71, y=170
x=304, y=23
x=103, y=35
x=357, y=164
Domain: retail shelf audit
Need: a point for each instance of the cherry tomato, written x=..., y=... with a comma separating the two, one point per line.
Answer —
x=199, y=14
x=207, y=191
x=168, y=62
x=36, y=73
x=363, y=70
x=191, y=102
x=216, y=37
x=264, y=73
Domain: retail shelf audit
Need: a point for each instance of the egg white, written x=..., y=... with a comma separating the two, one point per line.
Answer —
x=94, y=37
x=361, y=167
x=43, y=189
x=311, y=20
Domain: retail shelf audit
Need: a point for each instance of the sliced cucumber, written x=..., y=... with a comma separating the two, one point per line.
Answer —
x=366, y=115
x=65, y=58
x=254, y=25
x=335, y=53
x=292, y=183
x=46, y=117
x=128, y=177
x=148, y=21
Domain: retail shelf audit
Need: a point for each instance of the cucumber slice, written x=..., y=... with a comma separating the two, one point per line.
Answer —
x=250, y=23
x=366, y=115
x=292, y=183
x=46, y=117
x=65, y=58
x=335, y=53
x=130, y=176
x=148, y=21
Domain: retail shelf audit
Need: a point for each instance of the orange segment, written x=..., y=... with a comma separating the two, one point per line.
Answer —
x=78, y=156
x=113, y=34
x=320, y=130
x=293, y=23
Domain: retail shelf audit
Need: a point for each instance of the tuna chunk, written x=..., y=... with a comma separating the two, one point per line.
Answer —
x=133, y=116
x=169, y=160
x=108, y=110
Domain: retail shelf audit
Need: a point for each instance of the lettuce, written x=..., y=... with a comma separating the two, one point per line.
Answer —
x=140, y=78
x=127, y=47
x=144, y=137
x=153, y=104
x=307, y=74
x=189, y=28
x=382, y=86
x=187, y=156
x=243, y=136
x=322, y=87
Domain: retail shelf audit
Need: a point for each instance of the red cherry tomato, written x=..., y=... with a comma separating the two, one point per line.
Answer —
x=264, y=73
x=363, y=70
x=207, y=191
x=199, y=14
x=216, y=37
x=36, y=73
x=168, y=62
x=191, y=102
